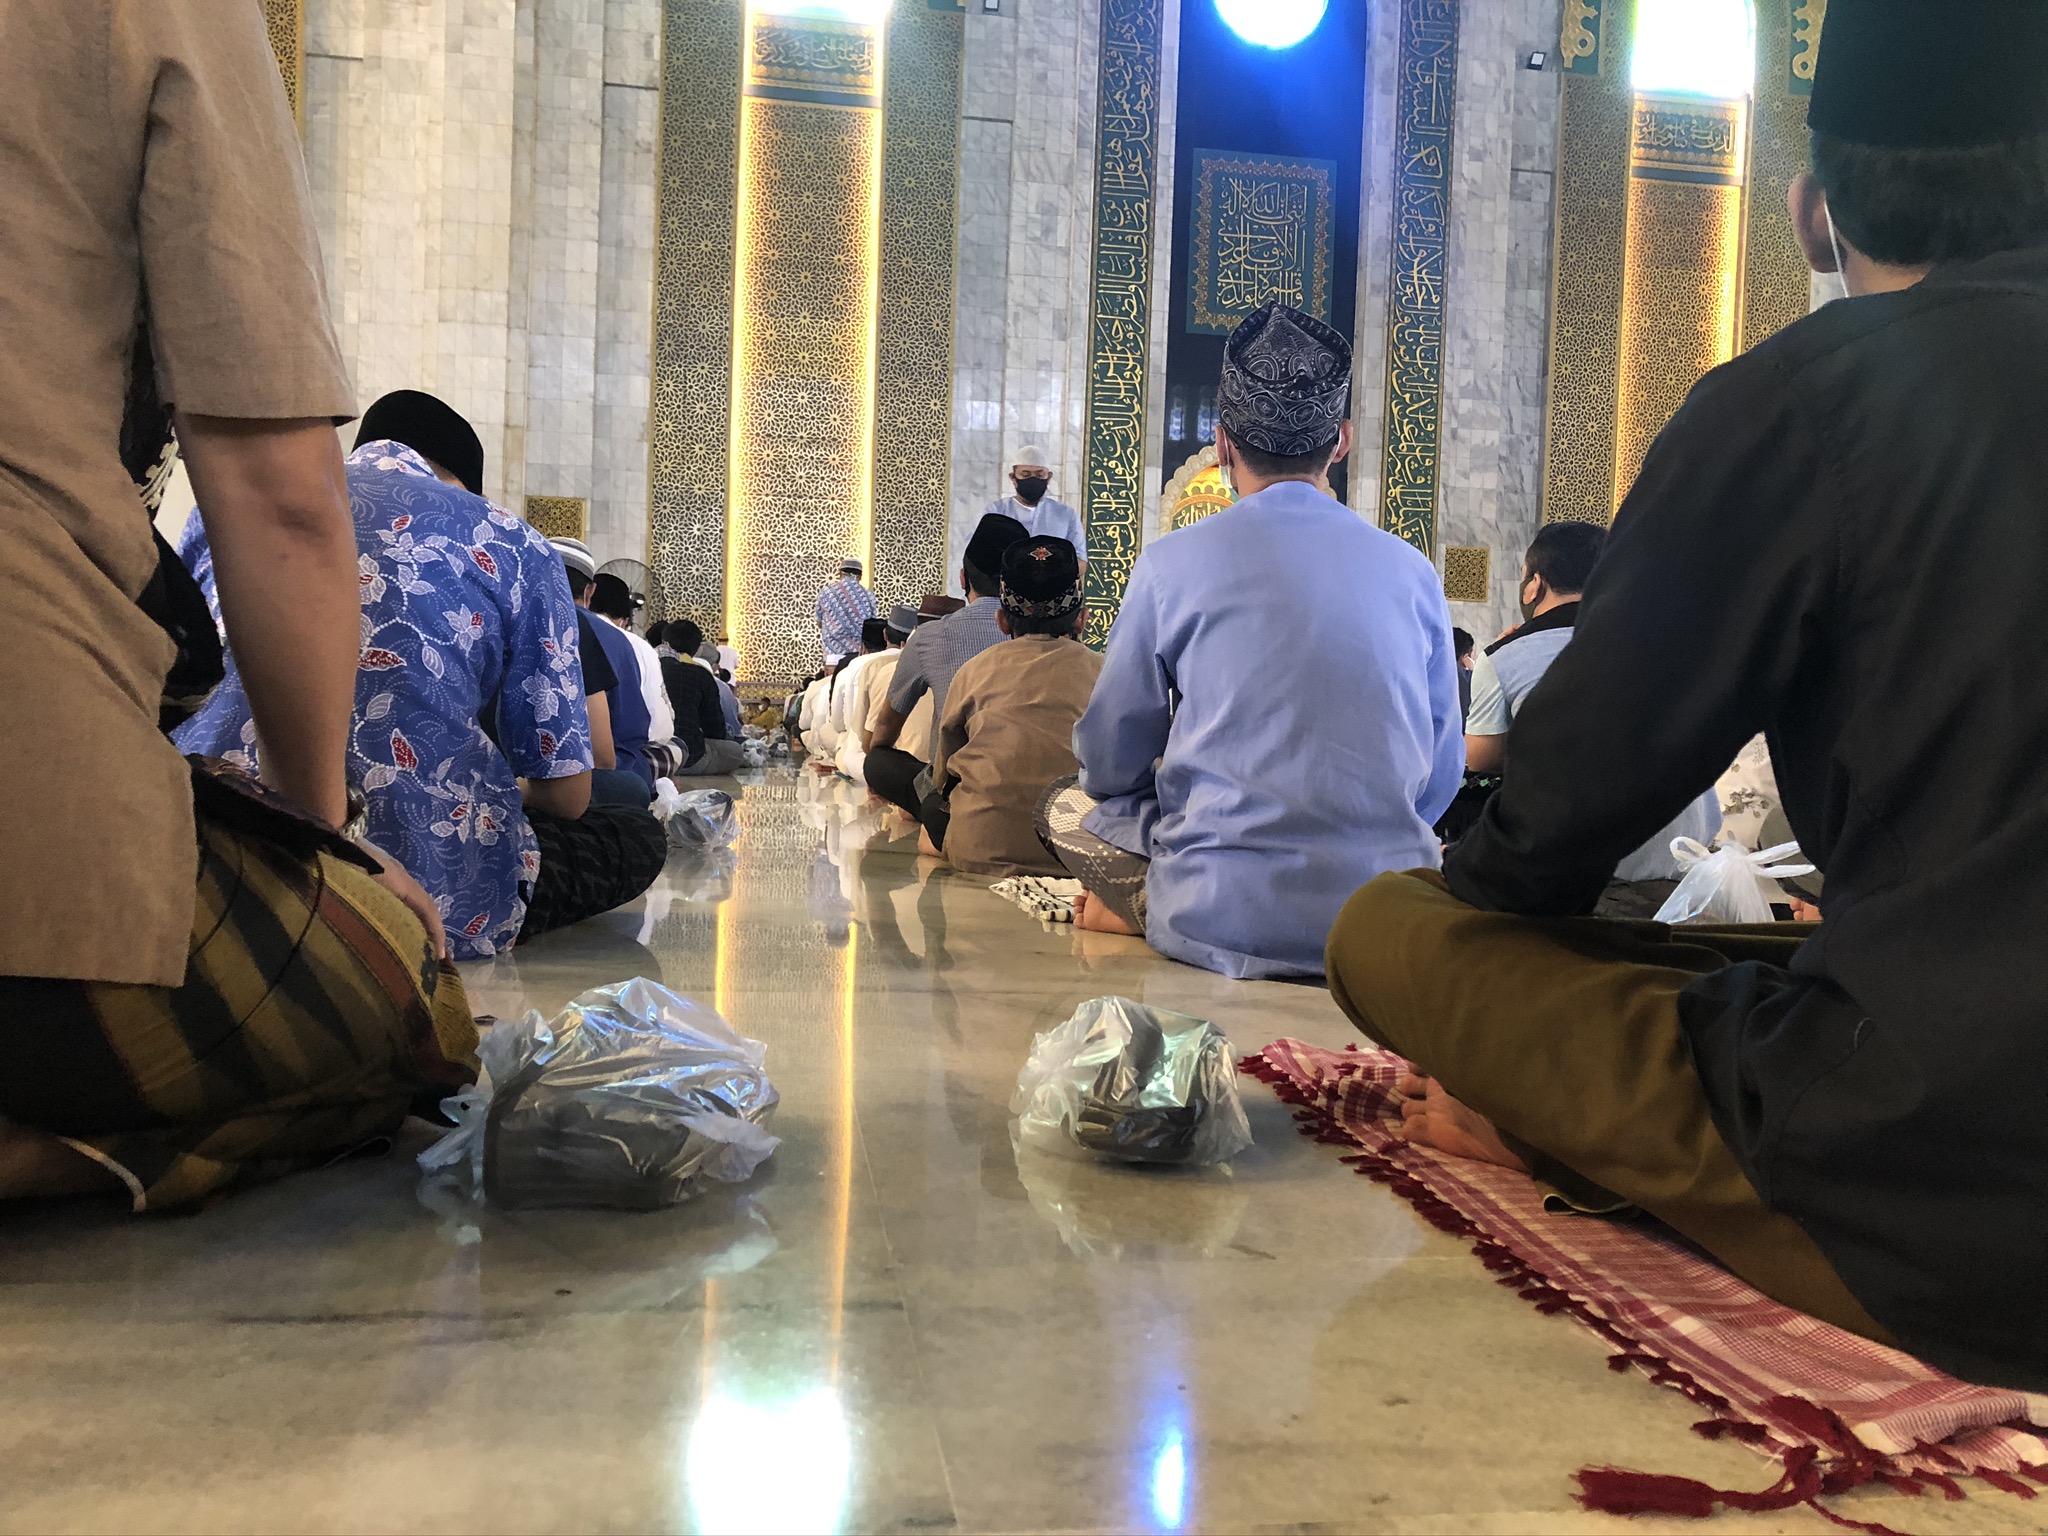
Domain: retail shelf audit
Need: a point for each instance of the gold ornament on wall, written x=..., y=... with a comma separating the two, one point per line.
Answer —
x=1468, y=573
x=1578, y=41
x=689, y=416
x=1808, y=17
x=1197, y=490
x=559, y=517
x=1776, y=285
x=285, y=20
x=914, y=347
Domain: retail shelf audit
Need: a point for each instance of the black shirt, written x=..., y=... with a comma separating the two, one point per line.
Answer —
x=598, y=676
x=1842, y=540
x=693, y=694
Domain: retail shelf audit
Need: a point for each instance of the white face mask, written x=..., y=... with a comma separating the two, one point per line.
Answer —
x=1833, y=285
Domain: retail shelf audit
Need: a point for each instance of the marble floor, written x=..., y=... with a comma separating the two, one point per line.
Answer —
x=905, y=1323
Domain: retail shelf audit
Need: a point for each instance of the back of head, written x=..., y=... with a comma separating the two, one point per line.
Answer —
x=983, y=566
x=1930, y=127
x=1462, y=643
x=902, y=620
x=612, y=597
x=1041, y=586
x=1564, y=555
x=684, y=637
x=874, y=635
x=577, y=562
x=1285, y=392
x=432, y=428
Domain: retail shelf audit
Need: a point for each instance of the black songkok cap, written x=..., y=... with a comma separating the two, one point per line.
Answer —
x=1931, y=74
x=995, y=535
x=1041, y=578
x=432, y=428
x=1286, y=382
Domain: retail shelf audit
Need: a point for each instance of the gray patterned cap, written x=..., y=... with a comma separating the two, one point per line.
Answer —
x=1286, y=382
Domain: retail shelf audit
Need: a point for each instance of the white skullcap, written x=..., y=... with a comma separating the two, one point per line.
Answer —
x=1031, y=453
x=576, y=556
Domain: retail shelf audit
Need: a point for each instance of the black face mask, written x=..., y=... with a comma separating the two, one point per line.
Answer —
x=1031, y=489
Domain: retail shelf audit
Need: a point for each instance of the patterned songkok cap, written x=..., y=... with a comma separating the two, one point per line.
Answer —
x=1286, y=382
x=1041, y=578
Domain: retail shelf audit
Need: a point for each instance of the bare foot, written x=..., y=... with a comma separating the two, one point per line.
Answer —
x=926, y=846
x=1436, y=1120
x=33, y=1165
x=1094, y=915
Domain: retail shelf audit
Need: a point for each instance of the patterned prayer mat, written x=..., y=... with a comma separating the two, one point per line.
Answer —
x=1048, y=900
x=1834, y=1410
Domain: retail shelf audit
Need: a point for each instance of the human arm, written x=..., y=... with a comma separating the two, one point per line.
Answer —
x=1447, y=715
x=543, y=717
x=1122, y=733
x=952, y=731
x=906, y=687
x=1688, y=642
x=710, y=706
x=602, y=753
x=1486, y=724
x=567, y=797
x=275, y=505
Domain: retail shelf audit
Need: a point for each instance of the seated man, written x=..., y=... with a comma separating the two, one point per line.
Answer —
x=929, y=660
x=643, y=724
x=1008, y=731
x=1561, y=557
x=1227, y=807
x=1838, y=540
x=470, y=739
x=700, y=713
x=609, y=783
x=204, y=983
x=870, y=688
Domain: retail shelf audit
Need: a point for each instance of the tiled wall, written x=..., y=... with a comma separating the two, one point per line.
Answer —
x=482, y=172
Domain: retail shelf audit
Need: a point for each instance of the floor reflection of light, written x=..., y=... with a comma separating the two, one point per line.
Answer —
x=1170, y=1480
x=769, y=1467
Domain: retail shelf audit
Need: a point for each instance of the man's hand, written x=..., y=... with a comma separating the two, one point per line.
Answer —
x=399, y=882
x=888, y=726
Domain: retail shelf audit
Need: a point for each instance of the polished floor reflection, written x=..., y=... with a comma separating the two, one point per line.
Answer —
x=906, y=1323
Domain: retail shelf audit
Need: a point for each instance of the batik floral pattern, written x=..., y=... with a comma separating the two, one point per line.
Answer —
x=467, y=624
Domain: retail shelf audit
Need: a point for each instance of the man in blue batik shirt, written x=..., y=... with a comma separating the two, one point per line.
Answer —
x=471, y=739
x=1228, y=808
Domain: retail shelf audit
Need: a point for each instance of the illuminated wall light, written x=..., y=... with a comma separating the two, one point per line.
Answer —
x=1272, y=23
x=801, y=466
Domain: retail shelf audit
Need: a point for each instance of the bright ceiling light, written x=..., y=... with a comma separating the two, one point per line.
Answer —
x=1272, y=23
x=866, y=13
x=1695, y=47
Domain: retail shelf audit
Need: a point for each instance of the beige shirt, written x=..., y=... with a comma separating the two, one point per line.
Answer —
x=146, y=156
x=1008, y=733
x=916, y=735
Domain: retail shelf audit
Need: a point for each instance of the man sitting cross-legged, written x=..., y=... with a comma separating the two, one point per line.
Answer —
x=1008, y=731
x=1839, y=541
x=1241, y=802
x=699, y=707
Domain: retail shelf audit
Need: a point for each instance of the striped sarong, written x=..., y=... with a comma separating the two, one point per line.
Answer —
x=311, y=1018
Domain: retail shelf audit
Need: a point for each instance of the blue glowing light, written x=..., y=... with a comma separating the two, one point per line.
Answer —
x=1170, y=1481
x=1272, y=23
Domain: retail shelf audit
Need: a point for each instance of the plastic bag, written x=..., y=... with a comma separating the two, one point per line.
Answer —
x=697, y=818
x=630, y=1098
x=1132, y=1083
x=1729, y=884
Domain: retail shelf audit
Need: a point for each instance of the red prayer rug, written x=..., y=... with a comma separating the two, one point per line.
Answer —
x=1834, y=1410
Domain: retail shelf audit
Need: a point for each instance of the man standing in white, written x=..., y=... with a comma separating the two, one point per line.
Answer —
x=1035, y=509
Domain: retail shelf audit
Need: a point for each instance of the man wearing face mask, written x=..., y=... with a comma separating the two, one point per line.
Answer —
x=1035, y=509
x=1555, y=571
x=1839, y=540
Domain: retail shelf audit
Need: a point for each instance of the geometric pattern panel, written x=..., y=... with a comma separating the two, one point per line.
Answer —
x=689, y=420
x=1775, y=283
x=1596, y=118
x=285, y=20
x=803, y=402
x=1426, y=84
x=914, y=339
x=1468, y=573
x=559, y=517
x=1261, y=230
x=1120, y=299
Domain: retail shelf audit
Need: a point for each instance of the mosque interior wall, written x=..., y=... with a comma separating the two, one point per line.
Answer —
x=487, y=176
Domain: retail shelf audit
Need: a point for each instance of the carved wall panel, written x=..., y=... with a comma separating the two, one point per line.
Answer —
x=1120, y=300
x=559, y=517
x=286, y=22
x=1424, y=95
x=1776, y=285
x=1261, y=232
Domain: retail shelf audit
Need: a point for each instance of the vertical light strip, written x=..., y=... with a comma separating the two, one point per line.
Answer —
x=800, y=462
x=1680, y=274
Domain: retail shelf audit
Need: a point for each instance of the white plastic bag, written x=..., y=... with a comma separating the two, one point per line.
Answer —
x=630, y=1097
x=697, y=818
x=1132, y=1083
x=1728, y=884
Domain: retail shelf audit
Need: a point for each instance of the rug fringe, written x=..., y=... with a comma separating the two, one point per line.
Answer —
x=1836, y=1463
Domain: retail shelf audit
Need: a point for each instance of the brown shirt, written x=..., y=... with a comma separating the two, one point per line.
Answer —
x=147, y=159
x=1008, y=733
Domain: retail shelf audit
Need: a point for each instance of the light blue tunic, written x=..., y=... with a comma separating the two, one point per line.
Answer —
x=1277, y=722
